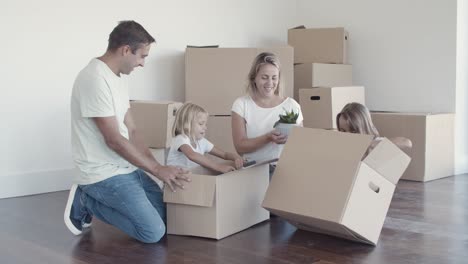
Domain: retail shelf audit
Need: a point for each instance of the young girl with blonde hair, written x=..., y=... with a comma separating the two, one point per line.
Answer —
x=356, y=118
x=189, y=144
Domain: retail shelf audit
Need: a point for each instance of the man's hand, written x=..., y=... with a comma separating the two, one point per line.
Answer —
x=173, y=176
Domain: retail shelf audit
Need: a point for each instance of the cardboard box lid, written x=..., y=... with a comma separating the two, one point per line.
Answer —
x=317, y=168
x=388, y=160
x=200, y=191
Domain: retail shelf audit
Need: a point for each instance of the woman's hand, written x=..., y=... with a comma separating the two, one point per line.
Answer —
x=276, y=137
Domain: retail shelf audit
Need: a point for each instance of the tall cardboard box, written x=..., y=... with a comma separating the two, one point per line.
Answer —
x=321, y=105
x=216, y=206
x=215, y=77
x=326, y=187
x=325, y=45
x=154, y=121
x=432, y=136
x=308, y=75
x=219, y=133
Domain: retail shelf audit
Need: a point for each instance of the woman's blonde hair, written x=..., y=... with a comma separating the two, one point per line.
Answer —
x=184, y=118
x=263, y=59
x=358, y=118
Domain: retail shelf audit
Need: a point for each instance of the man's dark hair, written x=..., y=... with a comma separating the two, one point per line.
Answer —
x=129, y=33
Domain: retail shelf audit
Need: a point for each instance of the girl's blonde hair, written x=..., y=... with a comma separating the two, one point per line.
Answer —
x=358, y=118
x=263, y=59
x=184, y=118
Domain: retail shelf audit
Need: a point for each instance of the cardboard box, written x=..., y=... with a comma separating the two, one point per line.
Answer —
x=154, y=121
x=321, y=105
x=215, y=77
x=308, y=75
x=326, y=187
x=220, y=133
x=325, y=45
x=432, y=136
x=216, y=206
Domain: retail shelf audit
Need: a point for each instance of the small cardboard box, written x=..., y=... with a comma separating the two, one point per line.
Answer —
x=215, y=77
x=216, y=206
x=432, y=136
x=321, y=105
x=219, y=133
x=154, y=120
x=325, y=45
x=308, y=75
x=326, y=187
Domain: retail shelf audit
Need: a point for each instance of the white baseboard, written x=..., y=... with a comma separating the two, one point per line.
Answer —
x=461, y=165
x=36, y=182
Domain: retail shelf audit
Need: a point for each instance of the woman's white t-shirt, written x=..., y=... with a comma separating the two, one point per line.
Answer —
x=178, y=158
x=259, y=121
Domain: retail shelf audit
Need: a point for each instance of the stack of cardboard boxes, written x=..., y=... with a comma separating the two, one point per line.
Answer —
x=216, y=77
x=322, y=78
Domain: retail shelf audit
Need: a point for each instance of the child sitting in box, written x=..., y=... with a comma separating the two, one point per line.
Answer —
x=355, y=118
x=189, y=143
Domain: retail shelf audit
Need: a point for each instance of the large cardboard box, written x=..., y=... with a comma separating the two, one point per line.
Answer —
x=215, y=77
x=326, y=45
x=219, y=133
x=321, y=105
x=325, y=187
x=154, y=121
x=216, y=206
x=432, y=136
x=308, y=75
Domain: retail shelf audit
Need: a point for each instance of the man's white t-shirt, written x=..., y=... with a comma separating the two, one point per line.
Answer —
x=178, y=158
x=97, y=92
x=260, y=121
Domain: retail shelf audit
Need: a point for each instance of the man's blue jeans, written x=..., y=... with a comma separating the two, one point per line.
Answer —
x=131, y=202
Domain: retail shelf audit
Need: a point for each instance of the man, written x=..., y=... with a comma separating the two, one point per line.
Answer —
x=107, y=149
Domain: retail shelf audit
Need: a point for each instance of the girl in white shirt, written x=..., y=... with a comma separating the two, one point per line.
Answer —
x=356, y=118
x=189, y=145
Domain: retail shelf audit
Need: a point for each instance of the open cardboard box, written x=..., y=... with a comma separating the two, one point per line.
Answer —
x=216, y=206
x=322, y=185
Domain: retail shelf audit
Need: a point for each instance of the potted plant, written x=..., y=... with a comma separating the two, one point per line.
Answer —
x=286, y=121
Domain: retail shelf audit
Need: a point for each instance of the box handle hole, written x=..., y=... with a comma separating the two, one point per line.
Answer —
x=315, y=98
x=374, y=187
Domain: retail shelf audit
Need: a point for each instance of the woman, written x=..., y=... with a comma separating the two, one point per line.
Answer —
x=254, y=115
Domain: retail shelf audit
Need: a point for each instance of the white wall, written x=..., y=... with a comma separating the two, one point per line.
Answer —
x=45, y=44
x=404, y=53
x=461, y=124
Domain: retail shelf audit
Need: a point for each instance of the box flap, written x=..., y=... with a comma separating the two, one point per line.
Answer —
x=388, y=160
x=315, y=171
x=202, y=47
x=299, y=27
x=200, y=191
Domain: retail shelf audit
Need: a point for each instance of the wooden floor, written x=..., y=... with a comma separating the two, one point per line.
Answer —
x=427, y=223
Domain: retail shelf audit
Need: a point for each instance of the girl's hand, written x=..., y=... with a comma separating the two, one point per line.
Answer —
x=238, y=161
x=225, y=168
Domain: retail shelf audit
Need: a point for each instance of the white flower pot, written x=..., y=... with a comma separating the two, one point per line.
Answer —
x=284, y=128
